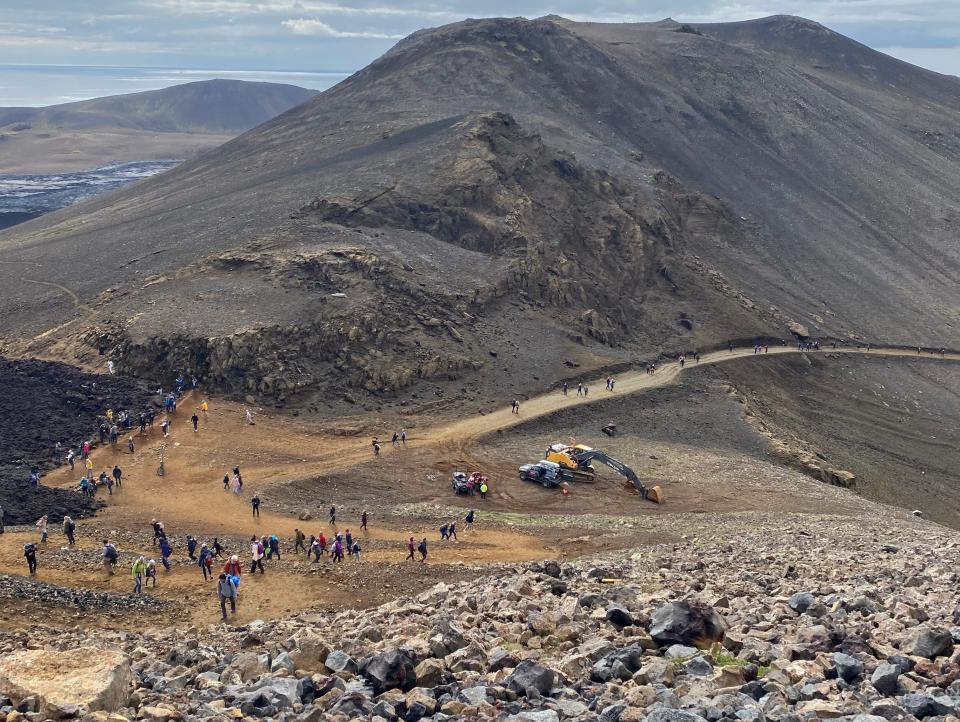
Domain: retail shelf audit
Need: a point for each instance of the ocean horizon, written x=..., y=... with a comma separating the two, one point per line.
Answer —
x=39, y=85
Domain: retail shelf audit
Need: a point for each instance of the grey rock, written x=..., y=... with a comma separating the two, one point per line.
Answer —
x=529, y=674
x=393, y=669
x=672, y=715
x=698, y=667
x=618, y=616
x=339, y=661
x=685, y=622
x=885, y=678
x=848, y=668
x=500, y=658
x=801, y=601
x=681, y=651
x=474, y=695
x=930, y=642
x=283, y=661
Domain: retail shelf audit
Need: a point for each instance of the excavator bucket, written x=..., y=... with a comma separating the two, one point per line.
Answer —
x=655, y=494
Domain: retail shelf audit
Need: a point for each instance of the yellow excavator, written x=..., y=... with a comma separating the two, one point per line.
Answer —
x=564, y=454
x=576, y=461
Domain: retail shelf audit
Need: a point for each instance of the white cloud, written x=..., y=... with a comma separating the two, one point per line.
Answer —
x=318, y=28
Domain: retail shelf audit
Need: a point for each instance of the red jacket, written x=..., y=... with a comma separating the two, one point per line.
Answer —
x=234, y=569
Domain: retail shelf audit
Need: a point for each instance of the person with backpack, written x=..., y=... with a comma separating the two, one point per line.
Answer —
x=227, y=590
x=152, y=572
x=191, y=548
x=274, y=547
x=355, y=551
x=110, y=557
x=69, y=525
x=30, y=554
x=195, y=420
x=298, y=539
x=348, y=538
x=315, y=549
x=217, y=548
x=165, y=552
x=137, y=572
x=444, y=531
x=469, y=519
x=42, y=528
x=422, y=548
x=205, y=561
x=452, y=531
x=337, y=550
x=233, y=567
x=256, y=554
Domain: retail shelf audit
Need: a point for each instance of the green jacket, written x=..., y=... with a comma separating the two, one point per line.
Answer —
x=139, y=569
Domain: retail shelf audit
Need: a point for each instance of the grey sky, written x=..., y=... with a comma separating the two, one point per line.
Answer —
x=347, y=34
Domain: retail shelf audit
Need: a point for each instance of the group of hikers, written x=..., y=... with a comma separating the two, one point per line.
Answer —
x=399, y=438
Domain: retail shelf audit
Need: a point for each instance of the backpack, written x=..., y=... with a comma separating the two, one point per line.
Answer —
x=110, y=552
x=422, y=548
x=259, y=547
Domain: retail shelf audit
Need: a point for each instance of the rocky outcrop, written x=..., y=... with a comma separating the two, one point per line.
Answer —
x=65, y=683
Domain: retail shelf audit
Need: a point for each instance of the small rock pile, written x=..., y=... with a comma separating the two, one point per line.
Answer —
x=749, y=619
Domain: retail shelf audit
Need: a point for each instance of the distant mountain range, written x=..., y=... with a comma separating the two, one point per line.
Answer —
x=174, y=122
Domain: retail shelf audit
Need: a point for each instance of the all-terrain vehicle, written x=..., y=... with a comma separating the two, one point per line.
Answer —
x=461, y=483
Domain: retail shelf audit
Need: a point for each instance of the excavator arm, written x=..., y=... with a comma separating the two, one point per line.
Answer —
x=618, y=466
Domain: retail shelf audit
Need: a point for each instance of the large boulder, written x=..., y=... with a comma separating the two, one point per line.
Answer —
x=393, y=669
x=929, y=642
x=687, y=623
x=91, y=678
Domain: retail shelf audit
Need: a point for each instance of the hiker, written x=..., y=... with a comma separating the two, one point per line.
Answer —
x=30, y=554
x=205, y=561
x=411, y=548
x=363, y=521
x=333, y=515
x=586, y=389
x=71, y=458
x=422, y=548
x=88, y=462
x=376, y=448
x=274, y=547
x=1, y=519
x=41, y=525
x=110, y=557
x=452, y=531
x=483, y=489
x=195, y=420
x=403, y=437
x=315, y=549
x=348, y=538
x=152, y=572
x=118, y=475
x=395, y=439
x=338, y=550
x=514, y=407
x=469, y=519
x=158, y=532
x=165, y=427
x=256, y=554
x=236, y=473
x=444, y=529
x=564, y=388
x=227, y=589
x=233, y=566
x=110, y=366
x=108, y=480
x=226, y=482
x=137, y=571
x=580, y=388
x=355, y=551
x=191, y=548
x=322, y=541
x=298, y=538
x=255, y=503
x=248, y=417
x=165, y=552
x=235, y=485
x=217, y=548
x=68, y=526
x=204, y=407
